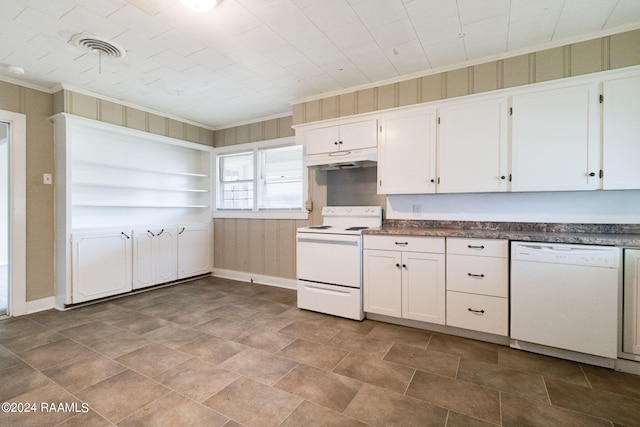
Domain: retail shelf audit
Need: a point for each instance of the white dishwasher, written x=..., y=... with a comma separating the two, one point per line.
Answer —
x=566, y=296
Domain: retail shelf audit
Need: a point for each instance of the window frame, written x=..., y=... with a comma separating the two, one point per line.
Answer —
x=255, y=211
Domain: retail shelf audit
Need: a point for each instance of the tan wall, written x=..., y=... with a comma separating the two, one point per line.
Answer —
x=38, y=107
x=110, y=112
x=262, y=246
x=605, y=53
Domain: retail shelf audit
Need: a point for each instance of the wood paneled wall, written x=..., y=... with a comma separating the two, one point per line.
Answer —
x=82, y=105
x=38, y=107
x=601, y=54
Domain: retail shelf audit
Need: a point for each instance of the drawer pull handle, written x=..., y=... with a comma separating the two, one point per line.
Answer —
x=151, y=233
x=479, y=276
x=475, y=246
x=402, y=243
x=480, y=312
x=123, y=234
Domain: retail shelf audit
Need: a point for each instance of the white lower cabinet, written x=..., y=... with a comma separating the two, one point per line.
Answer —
x=101, y=264
x=194, y=250
x=405, y=277
x=155, y=256
x=478, y=285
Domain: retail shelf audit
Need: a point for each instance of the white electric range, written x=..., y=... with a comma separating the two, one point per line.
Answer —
x=329, y=260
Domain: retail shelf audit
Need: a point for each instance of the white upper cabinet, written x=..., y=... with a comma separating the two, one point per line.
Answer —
x=555, y=140
x=352, y=136
x=407, y=153
x=472, y=147
x=621, y=134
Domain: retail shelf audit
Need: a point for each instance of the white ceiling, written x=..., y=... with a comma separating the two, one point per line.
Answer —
x=249, y=59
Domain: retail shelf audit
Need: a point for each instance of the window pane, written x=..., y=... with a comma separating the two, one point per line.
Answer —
x=281, y=178
x=236, y=167
x=237, y=195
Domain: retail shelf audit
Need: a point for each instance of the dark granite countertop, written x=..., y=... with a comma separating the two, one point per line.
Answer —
x=588, y=234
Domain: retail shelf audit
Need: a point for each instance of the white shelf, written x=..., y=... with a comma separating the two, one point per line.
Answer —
x=139, y=187
x=137, y=169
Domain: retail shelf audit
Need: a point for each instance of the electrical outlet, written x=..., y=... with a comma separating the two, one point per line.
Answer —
x=47, y=178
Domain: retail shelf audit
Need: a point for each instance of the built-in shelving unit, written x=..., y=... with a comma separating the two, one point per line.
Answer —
x=111, y=180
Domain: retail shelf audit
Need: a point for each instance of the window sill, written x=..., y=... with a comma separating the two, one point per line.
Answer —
x=261, y=214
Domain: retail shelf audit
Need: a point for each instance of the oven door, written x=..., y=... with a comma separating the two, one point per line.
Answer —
x=329, y=258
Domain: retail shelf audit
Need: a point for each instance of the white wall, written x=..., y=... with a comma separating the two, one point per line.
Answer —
x=4, y=195
x=598, y=207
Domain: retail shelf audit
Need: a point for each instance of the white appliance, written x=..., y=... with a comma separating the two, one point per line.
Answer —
x=566, y=297
x=329, y=260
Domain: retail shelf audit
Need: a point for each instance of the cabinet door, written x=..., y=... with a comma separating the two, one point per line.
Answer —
x=472, y=142
x=621, y=134
x=358, y=135
x=406, y=155
x=631, y=328
x=423, y=287
x=194, y=250
x=382, y=283
x=166, y=255
x=555, y=140
x=143, y=259
x=101, y=264
x=323, y=140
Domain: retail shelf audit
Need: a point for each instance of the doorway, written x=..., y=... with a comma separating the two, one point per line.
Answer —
x=13, y=213
x=4, y=218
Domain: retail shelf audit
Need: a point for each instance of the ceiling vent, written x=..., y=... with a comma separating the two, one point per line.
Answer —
x=98, y=45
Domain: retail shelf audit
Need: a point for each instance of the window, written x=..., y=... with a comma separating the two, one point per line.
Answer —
x=260, y=180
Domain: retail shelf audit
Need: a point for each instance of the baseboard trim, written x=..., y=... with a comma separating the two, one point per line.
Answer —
x=243, y=276
x=41, y=304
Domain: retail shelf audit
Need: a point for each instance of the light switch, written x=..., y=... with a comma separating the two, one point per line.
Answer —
x=47, y=178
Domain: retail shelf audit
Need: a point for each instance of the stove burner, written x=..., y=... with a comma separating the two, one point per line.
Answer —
x=356, y=228
x=319, y=227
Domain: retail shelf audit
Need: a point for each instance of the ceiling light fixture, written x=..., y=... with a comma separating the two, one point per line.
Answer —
x=200, y=5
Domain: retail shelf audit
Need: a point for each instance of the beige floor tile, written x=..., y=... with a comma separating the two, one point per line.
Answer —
x=18, y=380
x=310, y=331
x=160, y=309
x=221, y=328
x=253, y=404
x=197, y=379
x=294, y=313
x=379, y=407
x=84, y=420
x=90, y=333
x=459, y=420
x=8, y=359
x=543, y=365
x=459, y=396
x=153, y=359
x=212, y=349
x=231, y=312
x=401, y=334
x=321, y=387
x=523, y=384
x=264, y=339
x=121, y=395
x=361, y=344
x=141, y=323
x=49, y=404
x=464, y=347
x=57, y=320
x=174, y=410
x=53, y=353
x=613, y=381
x=364, y=327
x=190, y=318
x=83, y=371
x=425, y=360
x=517, y=411
x=259, y=365
x=318, y=355
x=310, y=414
x=173, y=335
x=30, y=339
x=598, y=403
x=376, y=372
x=119, y=343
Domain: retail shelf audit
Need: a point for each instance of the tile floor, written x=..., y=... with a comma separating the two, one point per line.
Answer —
x=216, y=352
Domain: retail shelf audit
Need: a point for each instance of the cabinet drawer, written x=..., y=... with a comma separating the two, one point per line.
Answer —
x=405, y=243
x=478, y=313
x=478, y=275
x=478, y=247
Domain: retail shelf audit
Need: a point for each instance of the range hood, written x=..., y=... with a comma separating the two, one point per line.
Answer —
x=343, y=159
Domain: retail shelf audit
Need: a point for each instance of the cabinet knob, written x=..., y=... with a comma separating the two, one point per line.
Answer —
x=592, y=174
x=398, y=265
x=433, y=180
x=335, y=143
x=404, y=265
x=503, y=177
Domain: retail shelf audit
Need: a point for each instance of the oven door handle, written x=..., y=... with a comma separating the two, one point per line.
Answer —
x=329, y=238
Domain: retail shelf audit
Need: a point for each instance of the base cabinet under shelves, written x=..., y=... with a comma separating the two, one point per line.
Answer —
x=155, y=256
x=194, y=250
